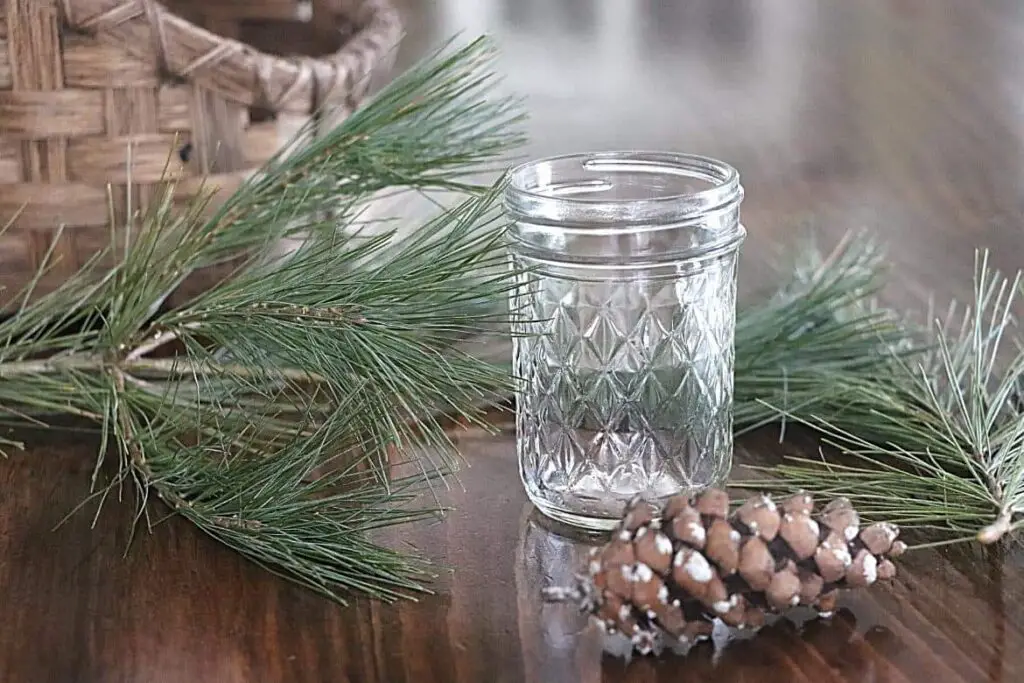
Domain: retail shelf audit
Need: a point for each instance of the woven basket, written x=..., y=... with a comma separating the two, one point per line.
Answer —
x=87, y=84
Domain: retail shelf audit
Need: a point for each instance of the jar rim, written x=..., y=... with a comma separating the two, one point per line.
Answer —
x=533, y=193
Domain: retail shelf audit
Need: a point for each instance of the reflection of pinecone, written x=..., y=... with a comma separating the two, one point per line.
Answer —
x=674, y=574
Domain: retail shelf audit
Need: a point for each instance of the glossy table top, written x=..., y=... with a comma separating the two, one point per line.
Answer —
x=902, y=117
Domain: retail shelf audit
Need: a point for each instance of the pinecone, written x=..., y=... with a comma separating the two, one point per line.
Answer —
x=672, y=575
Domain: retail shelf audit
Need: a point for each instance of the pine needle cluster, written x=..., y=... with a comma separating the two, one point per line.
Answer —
x=930, y=434
x=285, y=411
x=823, y=321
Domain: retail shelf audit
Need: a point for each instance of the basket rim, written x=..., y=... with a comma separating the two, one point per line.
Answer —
x=281, y=84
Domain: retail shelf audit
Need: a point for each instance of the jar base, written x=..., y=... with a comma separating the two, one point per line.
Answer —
x=603, y=520
x=573, y=519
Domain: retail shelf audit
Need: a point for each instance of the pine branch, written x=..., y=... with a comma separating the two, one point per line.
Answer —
x=934, y=441
x=305, y=387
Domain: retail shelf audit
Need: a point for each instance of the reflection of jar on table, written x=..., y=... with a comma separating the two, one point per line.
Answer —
x=556, y=638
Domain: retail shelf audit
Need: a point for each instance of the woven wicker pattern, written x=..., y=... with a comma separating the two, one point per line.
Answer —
x=87, y=85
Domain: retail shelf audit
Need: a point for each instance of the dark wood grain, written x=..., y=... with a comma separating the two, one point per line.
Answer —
x=901, y=117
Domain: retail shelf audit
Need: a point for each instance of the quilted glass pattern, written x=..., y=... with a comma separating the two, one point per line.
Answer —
x=625, y=385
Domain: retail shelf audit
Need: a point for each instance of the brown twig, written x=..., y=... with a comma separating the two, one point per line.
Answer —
x=997, y=529
x=155, y=341
x=133, y=363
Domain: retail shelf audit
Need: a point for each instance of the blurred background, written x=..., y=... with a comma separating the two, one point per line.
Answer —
x=902, y=117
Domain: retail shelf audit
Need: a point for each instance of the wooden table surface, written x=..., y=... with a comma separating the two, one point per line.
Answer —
x=904, y=117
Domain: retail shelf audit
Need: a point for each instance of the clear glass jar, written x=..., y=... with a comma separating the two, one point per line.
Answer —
x=623, y=326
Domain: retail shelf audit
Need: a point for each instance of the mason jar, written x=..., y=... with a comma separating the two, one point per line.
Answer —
x=623, y=318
